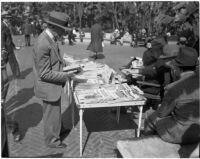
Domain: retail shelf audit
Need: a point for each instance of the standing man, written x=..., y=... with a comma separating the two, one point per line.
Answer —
x=7, y=55
x=49, y=78
x=70, y=36
x=9, y=45
x=27, y=32
x=96, y=38
x=4, y=90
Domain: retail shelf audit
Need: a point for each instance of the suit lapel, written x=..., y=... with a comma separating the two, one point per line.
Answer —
x=54, y=46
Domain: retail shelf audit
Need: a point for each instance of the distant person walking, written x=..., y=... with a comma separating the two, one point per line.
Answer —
x=96, y=39
x=38, y=28
x=70, y=36
x=27, y=33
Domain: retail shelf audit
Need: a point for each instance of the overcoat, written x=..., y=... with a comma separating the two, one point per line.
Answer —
x=177, y=119
x=28, y=29
x=96, y=39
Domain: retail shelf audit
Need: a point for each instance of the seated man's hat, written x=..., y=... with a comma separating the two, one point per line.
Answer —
x=187, y=57
x=170, y=51
x=160, y=42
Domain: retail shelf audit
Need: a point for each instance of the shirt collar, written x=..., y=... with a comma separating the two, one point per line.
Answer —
x=50, y=34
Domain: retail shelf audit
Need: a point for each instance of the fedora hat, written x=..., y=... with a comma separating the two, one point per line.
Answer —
x=160, y=42
x=58, y=19
x=187, y=57
x=5, y=14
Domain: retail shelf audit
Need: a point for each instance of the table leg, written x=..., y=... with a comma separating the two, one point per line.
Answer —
x=118, y=114
x=81, y=135
x=140, y=121
x=72, y=102
x=73, y=114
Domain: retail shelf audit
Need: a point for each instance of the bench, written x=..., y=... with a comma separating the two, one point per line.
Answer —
x=155, y=147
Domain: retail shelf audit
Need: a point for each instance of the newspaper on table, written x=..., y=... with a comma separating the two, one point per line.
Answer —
x=93, y=72
x=101, y=86
x=109, y=93
x=96, y=73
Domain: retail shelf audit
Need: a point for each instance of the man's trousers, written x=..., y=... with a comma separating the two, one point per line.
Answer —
x=52, y=122
x=28, y=40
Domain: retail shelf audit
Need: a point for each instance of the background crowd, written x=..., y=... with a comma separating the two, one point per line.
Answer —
x=139, y=19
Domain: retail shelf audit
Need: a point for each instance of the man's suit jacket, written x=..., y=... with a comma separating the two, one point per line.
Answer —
x=6, y=38
x=179, y=112
x=27, y=29
x=9, y=46
x=48, y=65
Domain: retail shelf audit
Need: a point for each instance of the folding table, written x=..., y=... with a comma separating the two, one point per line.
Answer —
x=82, y=107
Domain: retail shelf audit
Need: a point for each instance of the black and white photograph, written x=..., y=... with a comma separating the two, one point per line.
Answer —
x=100, y=79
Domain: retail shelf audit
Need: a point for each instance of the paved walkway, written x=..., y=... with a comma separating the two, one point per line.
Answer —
x=100, y=129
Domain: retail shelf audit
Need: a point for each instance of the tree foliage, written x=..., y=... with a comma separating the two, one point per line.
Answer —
x=154, y=16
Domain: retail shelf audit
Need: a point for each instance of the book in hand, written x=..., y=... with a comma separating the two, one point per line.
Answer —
x=72, y=68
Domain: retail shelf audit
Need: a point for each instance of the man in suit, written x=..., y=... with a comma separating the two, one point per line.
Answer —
x=27, y=32
x=70, y=36
x=10, y=46
x=49, y=78
x=7, y=55
x=96, y=39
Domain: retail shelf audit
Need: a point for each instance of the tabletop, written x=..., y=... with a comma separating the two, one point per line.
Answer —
x=109, y=103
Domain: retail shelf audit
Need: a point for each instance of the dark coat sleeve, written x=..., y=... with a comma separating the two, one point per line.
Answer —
x=169, y=102
x=148, y=71
x=6, y=39
x=46, y=72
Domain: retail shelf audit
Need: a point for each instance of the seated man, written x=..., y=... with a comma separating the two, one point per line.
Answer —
x=120, y=34
x=150, y=64
x=154, y=50
x=177, y=119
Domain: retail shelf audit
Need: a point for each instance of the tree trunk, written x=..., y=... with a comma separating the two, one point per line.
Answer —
x=80, y=22
x=74, y=11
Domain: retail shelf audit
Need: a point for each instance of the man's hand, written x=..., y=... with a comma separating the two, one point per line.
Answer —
x=64, y=63
x=79, y=70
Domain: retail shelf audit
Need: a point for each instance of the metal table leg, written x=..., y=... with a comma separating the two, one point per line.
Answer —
x=73, y=115
x=81, y=131
x=140, y=121
x=72, y=102
x=118, y=114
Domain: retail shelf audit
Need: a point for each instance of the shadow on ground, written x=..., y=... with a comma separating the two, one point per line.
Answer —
x=23, y=74
x=19, y=99
x=29, y=116
x=96, y=120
